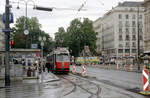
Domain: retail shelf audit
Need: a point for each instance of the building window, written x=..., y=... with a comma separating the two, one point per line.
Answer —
x=133, y=30
x=120, y=30
x=120, y=16
x=133, y=50
x=133, y=37
x=120, y=38
x=127, y=24
x=140, y=24
x=133, y=44
x=133, y=23
x=140, y=16
x=141, y=38
x=120, y=50
x=133, y=16
x=127, y=30
x=120, y=24
x=127, y=16
x=127, y=37
x=127, y=50
x=140, y=30
x=127, y=44
x=120, y=45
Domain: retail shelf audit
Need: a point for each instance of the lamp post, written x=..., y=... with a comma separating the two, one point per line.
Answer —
x=26, y=31
x=42, y=39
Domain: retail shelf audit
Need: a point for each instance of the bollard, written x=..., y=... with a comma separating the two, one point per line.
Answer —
x=145, y=75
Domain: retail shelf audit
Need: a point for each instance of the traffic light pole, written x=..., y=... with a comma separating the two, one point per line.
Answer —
x=7, y=44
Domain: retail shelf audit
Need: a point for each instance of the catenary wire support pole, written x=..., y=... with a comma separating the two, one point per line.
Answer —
x=7, y=48
x=138, y=57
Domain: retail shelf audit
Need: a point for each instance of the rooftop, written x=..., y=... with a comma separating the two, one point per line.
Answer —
x=130, y=4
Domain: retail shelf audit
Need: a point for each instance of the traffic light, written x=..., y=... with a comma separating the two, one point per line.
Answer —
x=12, y=44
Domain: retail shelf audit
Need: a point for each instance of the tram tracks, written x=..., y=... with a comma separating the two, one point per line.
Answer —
x=77, y=82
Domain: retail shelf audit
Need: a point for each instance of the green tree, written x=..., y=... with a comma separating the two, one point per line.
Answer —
x=77, y=36
x=60, y=37
x=35, y=31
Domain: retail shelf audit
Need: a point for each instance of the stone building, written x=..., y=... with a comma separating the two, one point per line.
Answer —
x=147, y=27
x=118, y=30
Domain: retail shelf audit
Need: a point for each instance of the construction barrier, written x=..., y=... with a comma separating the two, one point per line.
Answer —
x=145, y=75
x=125, y=69
x=74, y=69
x=117, y=67
x=131, y=67
x=144, y=67
x=83, y=71
x=109, y=66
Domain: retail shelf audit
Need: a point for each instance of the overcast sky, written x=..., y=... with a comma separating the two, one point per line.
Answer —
x=59, y=17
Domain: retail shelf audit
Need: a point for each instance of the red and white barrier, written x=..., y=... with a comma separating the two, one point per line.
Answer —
x=83, y=71
x=117, y=67
x=131, y=67
x=74, y=69
x=145, y=80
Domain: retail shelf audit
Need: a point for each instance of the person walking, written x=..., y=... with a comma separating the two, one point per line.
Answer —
x=47, y=65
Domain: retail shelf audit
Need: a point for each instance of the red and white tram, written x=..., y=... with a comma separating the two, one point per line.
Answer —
x=59, y=60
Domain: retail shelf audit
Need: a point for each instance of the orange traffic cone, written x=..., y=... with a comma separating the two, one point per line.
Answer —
x=117, y=67
x=131, y=67
x=83, y=71
x=74, y=69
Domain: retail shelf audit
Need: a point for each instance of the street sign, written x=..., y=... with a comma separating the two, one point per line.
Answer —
x=26, y=32
x=34, y=46
x=11, y=18
x=7, y=30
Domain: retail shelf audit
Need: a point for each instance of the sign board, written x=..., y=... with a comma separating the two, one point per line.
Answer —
x=34, y=46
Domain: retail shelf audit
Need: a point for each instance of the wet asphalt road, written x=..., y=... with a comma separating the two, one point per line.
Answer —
x=99, y=83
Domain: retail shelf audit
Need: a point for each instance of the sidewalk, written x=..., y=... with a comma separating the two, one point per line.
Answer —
x=32, y=89
x=47, y=77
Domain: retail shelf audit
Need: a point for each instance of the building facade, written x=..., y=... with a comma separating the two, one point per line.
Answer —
x=2, y=35
x=119, y=28
x=147, y=27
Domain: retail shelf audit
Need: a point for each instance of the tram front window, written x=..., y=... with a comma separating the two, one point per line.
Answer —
x=62, y=57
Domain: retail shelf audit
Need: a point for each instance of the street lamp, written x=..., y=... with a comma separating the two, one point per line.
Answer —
x=42, y=39
x=26, y=31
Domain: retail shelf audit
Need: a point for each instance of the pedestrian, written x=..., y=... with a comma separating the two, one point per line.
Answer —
x=47, y=65
x=29, y=72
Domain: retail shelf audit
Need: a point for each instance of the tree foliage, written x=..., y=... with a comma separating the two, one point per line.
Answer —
x=78, y=35
x=35, y=31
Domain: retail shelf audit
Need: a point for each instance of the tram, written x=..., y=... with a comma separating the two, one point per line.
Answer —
x=59, y=60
